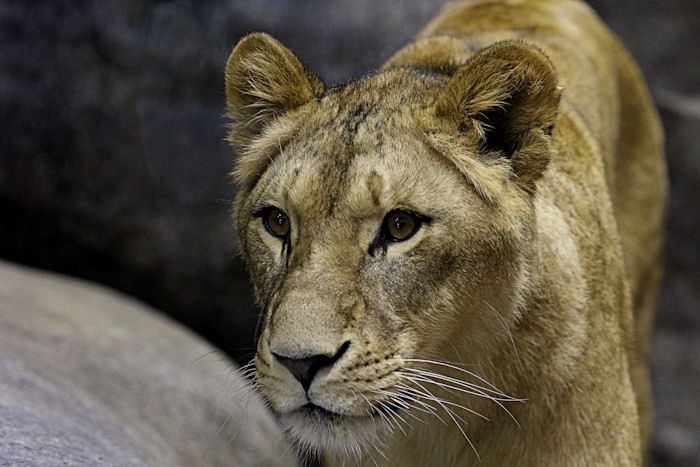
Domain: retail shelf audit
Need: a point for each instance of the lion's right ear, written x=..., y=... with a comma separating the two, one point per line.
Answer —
x=508, y=95
x=263, y=80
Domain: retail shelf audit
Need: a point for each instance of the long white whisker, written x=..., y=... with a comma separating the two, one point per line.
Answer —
x=431, y=396
x=440, y=402
x=424, y=407
x=396, y=412
x=382, y=409
x=479, y=390
x=453, y=404
x=247, y=374
x=449, y=388
x=247, y=370
x=454, y=367
x=430, y=377
x=495, y=400
x=385, y=419
x=379, y=450
x=398, y=415
x=378, y=444
x=221, y=428
x=392, y=414
x=248, y=365
x=373, y=459
x=205, y=355
x=397, y=400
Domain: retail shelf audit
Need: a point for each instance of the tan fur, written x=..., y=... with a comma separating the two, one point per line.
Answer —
x=524, y=131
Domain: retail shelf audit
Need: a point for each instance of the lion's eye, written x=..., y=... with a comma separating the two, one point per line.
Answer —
x=400, y=225
x=276, y=222
x=397, y=226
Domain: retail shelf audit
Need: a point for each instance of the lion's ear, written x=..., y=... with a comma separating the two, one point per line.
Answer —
x=263, y=80
x=508, y=94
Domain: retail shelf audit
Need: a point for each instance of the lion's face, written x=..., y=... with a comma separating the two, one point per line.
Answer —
x=378, y=236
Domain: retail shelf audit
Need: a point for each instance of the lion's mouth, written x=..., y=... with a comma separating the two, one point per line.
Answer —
x=313, y=410
x=327, y=430
x=317, y=415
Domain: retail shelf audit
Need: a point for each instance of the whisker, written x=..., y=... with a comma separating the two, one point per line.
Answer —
x=424, y=407
x=396, y=413
x=454, y=404
x=454, y=367
x=505, y=326
x=380, y=451
x=248, y=370
x=427, y=377
x=257, y=325
x=381, y=411
x=373, y=459
x=497, y=402
x=391, y=414
x=451, y=389
x=385, y=420
x=449, y=412
x=205, y=355
x=378, y=444
x=249, y=373
x=395, y=399
x=251, y=363
x=482, y=391
x=385, y=416
x=223, y=424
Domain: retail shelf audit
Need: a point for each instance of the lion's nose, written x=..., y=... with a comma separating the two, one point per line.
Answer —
x=305, y=369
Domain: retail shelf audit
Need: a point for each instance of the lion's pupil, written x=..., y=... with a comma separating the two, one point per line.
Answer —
x=278, y=222
x=401, y=226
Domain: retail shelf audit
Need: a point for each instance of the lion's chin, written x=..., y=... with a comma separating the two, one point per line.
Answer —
x=322, y=432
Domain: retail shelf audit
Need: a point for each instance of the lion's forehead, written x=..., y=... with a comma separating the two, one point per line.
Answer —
x=351, y=145
x=377, y=170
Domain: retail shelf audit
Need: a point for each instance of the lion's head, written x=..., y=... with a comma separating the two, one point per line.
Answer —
x=387, y=226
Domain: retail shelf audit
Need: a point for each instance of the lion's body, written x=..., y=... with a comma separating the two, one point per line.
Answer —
x=538, y=266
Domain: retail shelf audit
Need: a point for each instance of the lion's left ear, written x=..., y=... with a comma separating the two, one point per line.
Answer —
x=508, y=94
x=263, y=80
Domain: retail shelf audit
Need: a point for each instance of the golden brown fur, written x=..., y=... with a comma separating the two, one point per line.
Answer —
x=523, y=134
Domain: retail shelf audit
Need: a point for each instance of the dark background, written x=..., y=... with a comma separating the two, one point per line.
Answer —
x=113, y=165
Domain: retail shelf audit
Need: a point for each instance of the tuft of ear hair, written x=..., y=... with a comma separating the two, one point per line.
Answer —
x=507, y=94
x=263, y=80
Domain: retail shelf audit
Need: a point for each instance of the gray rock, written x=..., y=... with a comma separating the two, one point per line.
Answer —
x=91, y=377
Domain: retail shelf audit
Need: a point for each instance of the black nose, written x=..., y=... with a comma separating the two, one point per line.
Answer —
x=304, y=369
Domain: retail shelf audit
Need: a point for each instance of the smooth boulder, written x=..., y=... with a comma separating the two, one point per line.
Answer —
x=89, y=376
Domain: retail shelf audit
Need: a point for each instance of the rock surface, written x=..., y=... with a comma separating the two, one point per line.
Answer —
x=91, y=377
x=113, y=165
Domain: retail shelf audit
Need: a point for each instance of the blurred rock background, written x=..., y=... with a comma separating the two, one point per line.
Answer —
x=113, y=165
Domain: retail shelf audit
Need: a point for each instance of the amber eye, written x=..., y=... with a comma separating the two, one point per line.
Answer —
x=276, y=222
x=400, y=225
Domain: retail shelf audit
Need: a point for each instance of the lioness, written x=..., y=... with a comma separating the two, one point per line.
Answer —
x=457, y=256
